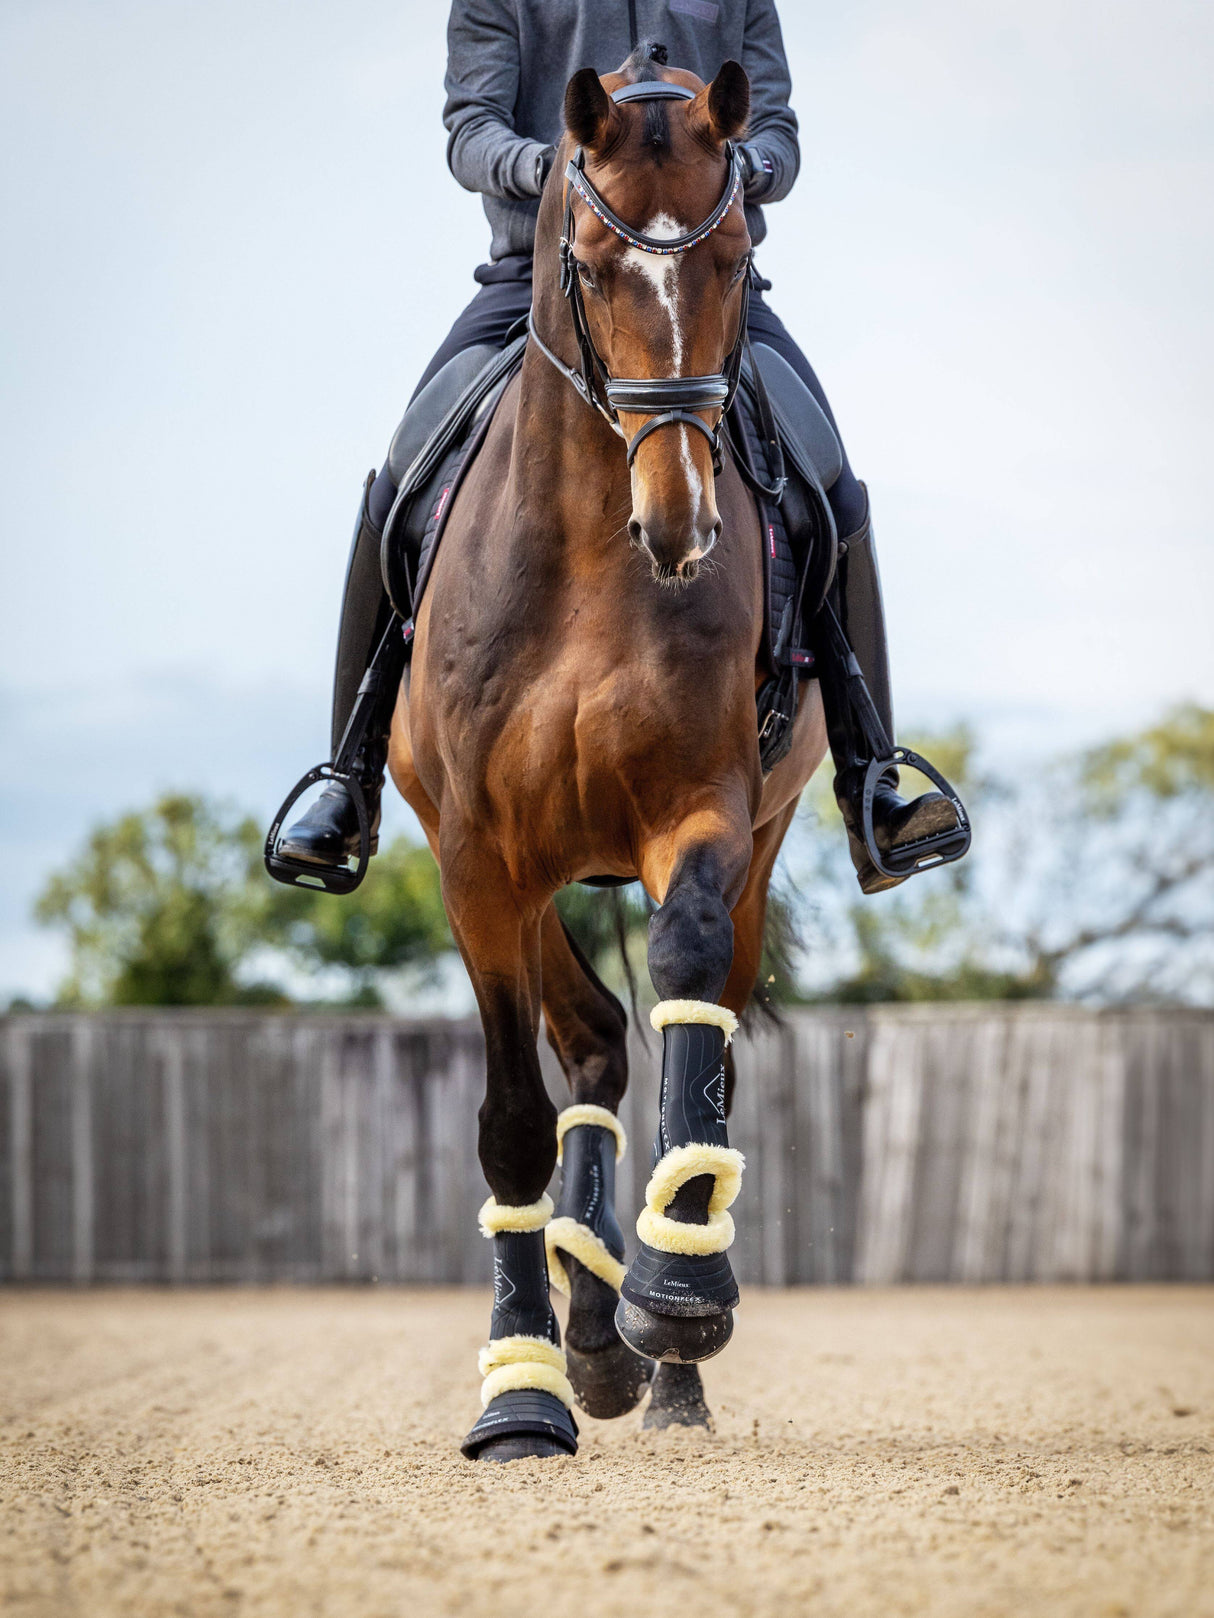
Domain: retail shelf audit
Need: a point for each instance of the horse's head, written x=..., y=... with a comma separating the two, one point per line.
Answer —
x=660, y=167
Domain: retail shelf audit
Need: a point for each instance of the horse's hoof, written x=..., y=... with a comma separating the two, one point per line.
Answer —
x=522, y=1422
x=519, y=1447
x=673, y=1339
x=608, y=1382
x=677, y=1400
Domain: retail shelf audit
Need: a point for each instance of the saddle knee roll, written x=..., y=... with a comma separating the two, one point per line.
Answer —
x=590, y=1142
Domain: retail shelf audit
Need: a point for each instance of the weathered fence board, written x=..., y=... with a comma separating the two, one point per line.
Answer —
x=928, y=1143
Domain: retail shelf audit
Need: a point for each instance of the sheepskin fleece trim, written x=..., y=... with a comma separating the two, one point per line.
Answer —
x=520, y=1349
x=583, y=1112
x=683, y=1163
x=580, y=1242
x=673, y=1236
x=530, y=1374
x=668, y=1011
x=495, y=1216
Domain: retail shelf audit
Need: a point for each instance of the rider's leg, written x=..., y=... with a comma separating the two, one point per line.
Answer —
x=328, y=832
x=857, y=600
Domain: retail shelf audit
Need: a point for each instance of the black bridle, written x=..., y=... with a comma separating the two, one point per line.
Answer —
x=666, y=399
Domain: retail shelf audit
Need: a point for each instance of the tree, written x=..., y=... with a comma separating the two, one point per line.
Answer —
x=395, y=919
x=1125, y=904
x=172, y=906
x=1093, y=879
x=919, y=941
x=161, y=907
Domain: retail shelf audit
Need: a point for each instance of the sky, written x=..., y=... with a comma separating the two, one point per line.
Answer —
x=231, y=245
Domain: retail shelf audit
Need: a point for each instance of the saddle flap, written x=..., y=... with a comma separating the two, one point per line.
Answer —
x=804, y=428
x=431, y=406
x=461, y=398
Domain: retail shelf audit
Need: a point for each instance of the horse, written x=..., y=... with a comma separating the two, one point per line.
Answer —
x=580, y=706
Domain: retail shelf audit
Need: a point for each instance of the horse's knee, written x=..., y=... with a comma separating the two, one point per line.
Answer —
x=691, y=941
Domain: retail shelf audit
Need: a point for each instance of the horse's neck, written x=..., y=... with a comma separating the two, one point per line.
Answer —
x=562, y=447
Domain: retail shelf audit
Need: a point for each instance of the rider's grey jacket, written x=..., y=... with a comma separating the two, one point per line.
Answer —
x=508, y=62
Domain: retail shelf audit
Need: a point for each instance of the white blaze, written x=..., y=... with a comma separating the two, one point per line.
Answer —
x=661, y=270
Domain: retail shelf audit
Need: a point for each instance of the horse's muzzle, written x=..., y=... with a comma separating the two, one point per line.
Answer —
x=674, y=551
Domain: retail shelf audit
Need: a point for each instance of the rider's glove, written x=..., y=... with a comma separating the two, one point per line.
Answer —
x=543, y=166
x=757, y=168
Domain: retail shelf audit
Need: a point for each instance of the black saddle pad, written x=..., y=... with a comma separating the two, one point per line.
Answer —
x=798, y=542
x=425, y=497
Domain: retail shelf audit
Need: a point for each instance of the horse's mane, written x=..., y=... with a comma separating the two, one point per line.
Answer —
x=642, y=68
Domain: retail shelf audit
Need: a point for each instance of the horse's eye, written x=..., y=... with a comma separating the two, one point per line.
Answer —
x=741, y=269
x=586, y=278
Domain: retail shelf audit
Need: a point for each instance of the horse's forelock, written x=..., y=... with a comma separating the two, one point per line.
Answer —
x=642, y=68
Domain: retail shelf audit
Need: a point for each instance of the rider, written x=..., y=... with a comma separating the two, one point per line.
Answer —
x=507, y=67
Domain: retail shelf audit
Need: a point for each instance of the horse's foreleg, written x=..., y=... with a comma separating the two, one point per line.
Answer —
x=677, y=1398
x=678, y=1297
x=526, y=1394
x=587, y=1029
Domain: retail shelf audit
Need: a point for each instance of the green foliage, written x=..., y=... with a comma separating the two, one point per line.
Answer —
x=161, y=907
x=1096, y=878
x=396, y=918
x=1092, y=877
x=171, y=906
x=914, y=942
x=603, y=919
x=1172, y=759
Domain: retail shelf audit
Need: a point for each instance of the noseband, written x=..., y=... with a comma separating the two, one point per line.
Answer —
x=665, y=399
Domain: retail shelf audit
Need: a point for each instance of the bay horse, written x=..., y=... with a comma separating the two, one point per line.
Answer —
x=581, y=705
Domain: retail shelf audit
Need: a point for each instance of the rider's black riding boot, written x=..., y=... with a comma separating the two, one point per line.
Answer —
x=856, y=597
x=328, y=833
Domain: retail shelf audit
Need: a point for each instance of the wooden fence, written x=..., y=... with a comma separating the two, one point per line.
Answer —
x=934, y=1143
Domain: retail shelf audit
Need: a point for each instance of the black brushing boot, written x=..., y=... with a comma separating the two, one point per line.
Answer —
x=523, y=1362
x=898, y=823
x=678, y=1298
x=585, y=1261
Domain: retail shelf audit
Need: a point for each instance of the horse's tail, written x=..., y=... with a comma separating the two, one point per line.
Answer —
x=620, y=919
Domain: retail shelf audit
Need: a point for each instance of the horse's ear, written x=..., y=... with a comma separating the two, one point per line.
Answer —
x=590, y=113
x=720, y=111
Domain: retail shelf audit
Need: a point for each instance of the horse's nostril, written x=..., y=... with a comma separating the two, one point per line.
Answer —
x=635, y=532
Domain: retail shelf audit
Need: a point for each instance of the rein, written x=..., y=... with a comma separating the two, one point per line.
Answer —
x=668, y=399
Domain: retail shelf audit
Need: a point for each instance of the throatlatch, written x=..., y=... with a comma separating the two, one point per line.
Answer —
x=525, y=1390
x=677, y=1299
